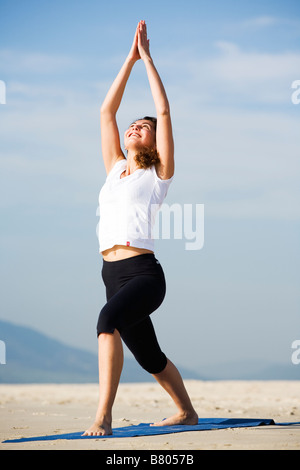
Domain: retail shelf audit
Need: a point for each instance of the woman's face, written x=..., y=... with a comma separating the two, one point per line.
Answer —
x=140, y=134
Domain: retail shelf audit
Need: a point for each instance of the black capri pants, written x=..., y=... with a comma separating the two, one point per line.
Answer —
x=135, y=287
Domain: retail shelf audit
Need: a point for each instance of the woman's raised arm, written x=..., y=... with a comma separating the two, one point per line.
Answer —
x=110, y=138
x=164, y=133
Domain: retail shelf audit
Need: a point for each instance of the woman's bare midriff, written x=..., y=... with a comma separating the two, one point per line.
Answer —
x=119, y=252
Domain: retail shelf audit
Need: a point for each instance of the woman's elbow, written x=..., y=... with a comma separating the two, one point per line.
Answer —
x=163, y=111
x=104, y=109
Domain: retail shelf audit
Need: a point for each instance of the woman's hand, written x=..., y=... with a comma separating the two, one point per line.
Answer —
x=134, y=54
x=143, y=41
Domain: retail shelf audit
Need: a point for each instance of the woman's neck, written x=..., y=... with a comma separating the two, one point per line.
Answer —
x=132, y=165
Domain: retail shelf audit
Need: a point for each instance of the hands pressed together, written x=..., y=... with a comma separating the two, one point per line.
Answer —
x=140, y=45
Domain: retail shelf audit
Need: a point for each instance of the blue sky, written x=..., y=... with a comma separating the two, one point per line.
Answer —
x=228, y=68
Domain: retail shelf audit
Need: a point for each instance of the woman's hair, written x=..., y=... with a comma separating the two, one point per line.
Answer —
x=149, y=118
x=147, y=156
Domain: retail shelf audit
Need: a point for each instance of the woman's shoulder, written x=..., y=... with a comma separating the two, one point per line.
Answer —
x=158, y=177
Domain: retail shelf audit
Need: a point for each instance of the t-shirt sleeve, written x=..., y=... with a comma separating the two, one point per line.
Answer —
x=161, y=186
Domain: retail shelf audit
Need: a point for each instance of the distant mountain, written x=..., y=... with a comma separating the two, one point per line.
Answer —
x=252, y=369
x=32, y=357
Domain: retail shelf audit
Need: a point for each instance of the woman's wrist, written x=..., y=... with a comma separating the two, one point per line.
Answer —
x=147, y=58
x=130, y=61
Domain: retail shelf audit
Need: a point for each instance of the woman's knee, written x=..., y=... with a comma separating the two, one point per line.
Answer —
x=153, y=364
x=158, y=366
x=106, y=323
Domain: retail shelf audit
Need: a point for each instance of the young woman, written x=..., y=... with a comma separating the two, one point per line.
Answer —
x=135, y=285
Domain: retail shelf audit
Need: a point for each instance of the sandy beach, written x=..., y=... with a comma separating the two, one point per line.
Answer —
x=46, y=409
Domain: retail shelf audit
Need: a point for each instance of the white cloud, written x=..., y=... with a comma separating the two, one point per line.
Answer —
x=235, y=65
x=17, y=62
x=261, y=21
x=233, y=75
x=268, y=21
x=241, y=164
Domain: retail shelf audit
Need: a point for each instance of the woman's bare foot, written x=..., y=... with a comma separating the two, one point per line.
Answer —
x=102, y=428
x=179, y=418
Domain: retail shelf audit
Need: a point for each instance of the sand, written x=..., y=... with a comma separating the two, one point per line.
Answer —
x=40, y=409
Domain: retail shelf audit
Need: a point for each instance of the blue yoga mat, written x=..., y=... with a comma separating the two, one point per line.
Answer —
x=144, y=429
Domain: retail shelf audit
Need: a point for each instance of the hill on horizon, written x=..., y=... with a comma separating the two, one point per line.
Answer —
x=33, y=357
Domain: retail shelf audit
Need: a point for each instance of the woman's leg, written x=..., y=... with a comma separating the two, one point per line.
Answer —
x=142, y=342
x=124, y=307
x=170, y=379
x=127, y=311
x=110, y=367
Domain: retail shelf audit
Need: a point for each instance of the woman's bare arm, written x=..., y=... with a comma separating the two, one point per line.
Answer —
x=110, y=138
x=164, y=133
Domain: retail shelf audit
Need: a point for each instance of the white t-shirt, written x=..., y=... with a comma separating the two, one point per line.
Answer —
x=128, y=207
